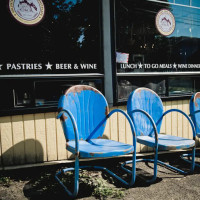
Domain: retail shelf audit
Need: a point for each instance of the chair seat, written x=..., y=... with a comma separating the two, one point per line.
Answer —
x=100, y=148
x=167, y=142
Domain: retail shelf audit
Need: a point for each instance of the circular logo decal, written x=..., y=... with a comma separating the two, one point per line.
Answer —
x=165, y=22
x=28, y=12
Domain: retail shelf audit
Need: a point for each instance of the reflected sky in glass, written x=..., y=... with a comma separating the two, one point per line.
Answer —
x=187, y=21
x=196, y=3
x=66, y=5
x=73, y=1
x=183, y=2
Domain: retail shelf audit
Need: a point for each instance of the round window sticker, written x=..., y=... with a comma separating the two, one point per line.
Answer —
x=165, y=22
x=28, y=12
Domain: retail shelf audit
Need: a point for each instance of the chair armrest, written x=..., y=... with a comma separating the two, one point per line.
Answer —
x=74, y=126
x=187, y=117
x=151, y=120
x=127, y=117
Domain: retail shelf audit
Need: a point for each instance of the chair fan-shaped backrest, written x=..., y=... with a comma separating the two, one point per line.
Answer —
x=147, y=100
x=88, y=107
x=194, y=107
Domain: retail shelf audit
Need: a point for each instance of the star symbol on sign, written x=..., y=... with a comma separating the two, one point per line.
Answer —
x=140, y=65
x=49, y=66
x=174, y=65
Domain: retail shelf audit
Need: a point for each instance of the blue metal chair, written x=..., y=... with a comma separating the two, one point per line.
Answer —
x=195, y=116
x=146, y=111
x=83, y=111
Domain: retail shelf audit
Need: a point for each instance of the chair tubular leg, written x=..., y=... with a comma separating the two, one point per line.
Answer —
x=76, y=186
x=145, y=160
x=190, y=161
x=76, y=178
x=179, y=170
x=155, y=161
x=192, y=166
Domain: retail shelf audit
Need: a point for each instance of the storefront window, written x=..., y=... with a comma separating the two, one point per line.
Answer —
x=47, y=46
x=45, y=97
x=41, y=95
x=157, y=45
x=139, y=35
x=66, y=40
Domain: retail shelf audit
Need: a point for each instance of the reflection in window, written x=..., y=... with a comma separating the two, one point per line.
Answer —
x=136, y=34
x=195, y=3
x=180, y=86
x=183, y=2
x=48, y=92
x=126, y=85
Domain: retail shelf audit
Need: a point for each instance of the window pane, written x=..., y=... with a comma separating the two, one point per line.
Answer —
x=180, y=86
x=127, y=84
x=195, y=3
x=69, y=33
x=146, y=48
x=183, y=2
x=48, y=92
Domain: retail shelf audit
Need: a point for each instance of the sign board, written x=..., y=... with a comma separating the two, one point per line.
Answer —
x=27, y=12
x=165, y=22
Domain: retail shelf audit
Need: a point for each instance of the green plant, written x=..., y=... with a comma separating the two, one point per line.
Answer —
x=89, y=180
x=100, y=187
x=103, y=189
x=5, y=181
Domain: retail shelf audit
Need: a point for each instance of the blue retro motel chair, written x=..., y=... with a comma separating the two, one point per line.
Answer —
x=83, y=112
x=146, y=111
x=195, y=116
